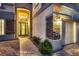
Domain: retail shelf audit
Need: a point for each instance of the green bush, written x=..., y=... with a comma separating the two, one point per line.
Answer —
x=45, y=48
x=36, y=40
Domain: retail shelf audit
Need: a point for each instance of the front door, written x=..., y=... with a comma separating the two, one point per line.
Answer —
x=23, y=29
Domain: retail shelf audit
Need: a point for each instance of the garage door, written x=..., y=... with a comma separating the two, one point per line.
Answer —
x=68, y=32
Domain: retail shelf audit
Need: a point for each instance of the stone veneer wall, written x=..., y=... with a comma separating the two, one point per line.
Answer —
x=49, y=27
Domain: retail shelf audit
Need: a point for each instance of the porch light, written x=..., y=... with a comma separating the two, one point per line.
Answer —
x=58, y=22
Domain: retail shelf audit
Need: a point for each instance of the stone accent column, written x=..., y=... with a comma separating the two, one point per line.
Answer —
x=49, y=27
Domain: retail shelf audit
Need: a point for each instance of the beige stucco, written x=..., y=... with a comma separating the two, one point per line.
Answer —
x=39, y=23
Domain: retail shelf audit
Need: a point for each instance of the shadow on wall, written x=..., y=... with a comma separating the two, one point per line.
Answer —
x=7, y=37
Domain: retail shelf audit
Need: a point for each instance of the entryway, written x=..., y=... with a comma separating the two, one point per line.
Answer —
x=23, y=22
x=23, y=29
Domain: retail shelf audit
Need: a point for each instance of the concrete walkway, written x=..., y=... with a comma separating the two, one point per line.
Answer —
x=69, y=50
x=27, y=48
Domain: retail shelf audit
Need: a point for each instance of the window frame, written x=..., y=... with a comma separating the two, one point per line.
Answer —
x=2, y=27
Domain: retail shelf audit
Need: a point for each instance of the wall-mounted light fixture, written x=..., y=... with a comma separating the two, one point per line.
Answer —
x=58, y=19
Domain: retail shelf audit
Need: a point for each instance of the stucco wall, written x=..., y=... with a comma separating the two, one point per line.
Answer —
x=39, y=23
x=35, y=10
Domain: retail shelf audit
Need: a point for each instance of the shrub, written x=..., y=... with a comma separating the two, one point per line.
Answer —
x=45, y=48
x=36, y=40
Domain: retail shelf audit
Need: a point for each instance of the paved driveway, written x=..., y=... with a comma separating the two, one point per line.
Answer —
x=69, y=50
x=9, y=48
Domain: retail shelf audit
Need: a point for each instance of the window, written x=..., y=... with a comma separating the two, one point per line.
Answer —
x=56, y=26
x=1, y=27
x=9, y=26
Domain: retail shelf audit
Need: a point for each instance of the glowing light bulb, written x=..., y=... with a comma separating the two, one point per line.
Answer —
x=58, y=22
